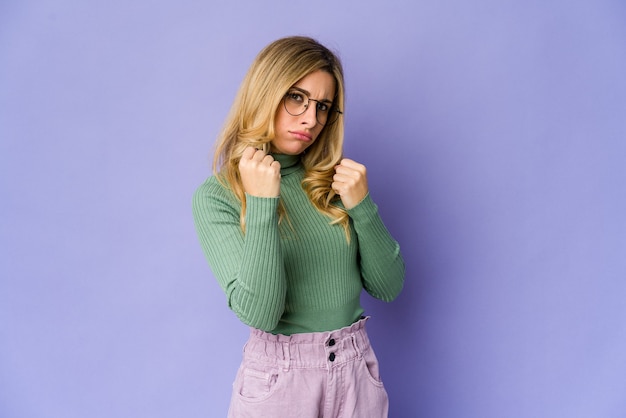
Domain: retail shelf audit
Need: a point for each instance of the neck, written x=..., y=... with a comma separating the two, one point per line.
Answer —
x=288, y=163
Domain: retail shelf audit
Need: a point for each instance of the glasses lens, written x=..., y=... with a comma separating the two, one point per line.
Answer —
x=323, y=112
x=330, y=117
x=296, y=103
x=322, y=116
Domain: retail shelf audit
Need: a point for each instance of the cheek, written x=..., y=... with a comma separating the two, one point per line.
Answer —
x=317, y=131
x=280, y=117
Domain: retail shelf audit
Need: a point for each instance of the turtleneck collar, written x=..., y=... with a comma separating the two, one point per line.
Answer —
x=288, y=163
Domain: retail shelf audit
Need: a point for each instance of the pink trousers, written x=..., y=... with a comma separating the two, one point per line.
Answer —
x=314, y=375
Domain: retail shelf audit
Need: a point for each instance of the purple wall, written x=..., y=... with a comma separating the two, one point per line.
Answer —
x=495, y=137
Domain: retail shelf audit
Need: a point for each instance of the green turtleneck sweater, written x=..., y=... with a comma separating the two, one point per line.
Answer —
x=300, y=275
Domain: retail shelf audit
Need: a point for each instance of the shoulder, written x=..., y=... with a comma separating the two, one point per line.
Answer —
x=212, y=193
x=212, y=185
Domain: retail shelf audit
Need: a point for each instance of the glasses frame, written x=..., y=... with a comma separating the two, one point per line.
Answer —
x=331, y=111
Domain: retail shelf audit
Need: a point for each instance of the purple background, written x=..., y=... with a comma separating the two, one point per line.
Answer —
x=495, y=137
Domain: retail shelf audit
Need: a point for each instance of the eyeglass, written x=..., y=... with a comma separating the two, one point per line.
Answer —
x=297, y=101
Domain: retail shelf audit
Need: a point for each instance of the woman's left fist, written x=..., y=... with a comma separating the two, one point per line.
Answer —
x=350, y=182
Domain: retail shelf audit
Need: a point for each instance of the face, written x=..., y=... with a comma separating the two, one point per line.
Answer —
x=294, y=134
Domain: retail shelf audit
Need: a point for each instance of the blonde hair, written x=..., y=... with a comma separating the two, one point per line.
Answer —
x=278, y=67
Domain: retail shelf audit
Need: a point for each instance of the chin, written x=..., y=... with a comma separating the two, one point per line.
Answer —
x=296, y=149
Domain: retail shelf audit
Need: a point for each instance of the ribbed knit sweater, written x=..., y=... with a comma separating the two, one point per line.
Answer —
x=299, y=275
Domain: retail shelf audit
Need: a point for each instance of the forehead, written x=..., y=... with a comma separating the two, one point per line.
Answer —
x=318, y=85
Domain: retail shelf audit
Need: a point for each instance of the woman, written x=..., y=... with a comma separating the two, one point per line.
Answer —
x=292, y=235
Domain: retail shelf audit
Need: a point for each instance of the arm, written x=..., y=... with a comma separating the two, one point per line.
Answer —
x=382, y=266
x=249, y=267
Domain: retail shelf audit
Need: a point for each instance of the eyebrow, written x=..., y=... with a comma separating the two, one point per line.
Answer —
x=309, y=95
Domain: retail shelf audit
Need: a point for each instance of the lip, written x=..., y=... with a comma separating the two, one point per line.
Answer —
x=301, y=135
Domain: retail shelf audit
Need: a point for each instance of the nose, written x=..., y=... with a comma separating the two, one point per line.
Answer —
x=309, y=117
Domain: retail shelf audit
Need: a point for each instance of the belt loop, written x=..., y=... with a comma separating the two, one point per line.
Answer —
x=356, y=346
x=286, y=356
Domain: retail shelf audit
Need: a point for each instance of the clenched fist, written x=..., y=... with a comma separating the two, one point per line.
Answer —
x=260, y=173
x=350, y=182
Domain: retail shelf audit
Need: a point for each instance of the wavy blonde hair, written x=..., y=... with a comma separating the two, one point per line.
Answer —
x=250, y=122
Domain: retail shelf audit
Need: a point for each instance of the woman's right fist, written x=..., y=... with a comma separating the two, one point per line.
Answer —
x=260, y=173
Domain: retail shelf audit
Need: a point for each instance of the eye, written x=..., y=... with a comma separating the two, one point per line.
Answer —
x=295, y=96
x=323, y=107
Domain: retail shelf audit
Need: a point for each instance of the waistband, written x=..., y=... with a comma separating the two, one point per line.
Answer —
x=309, y=350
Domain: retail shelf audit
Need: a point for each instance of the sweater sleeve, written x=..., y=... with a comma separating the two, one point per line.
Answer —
x=382, y=266
x=249, y=267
